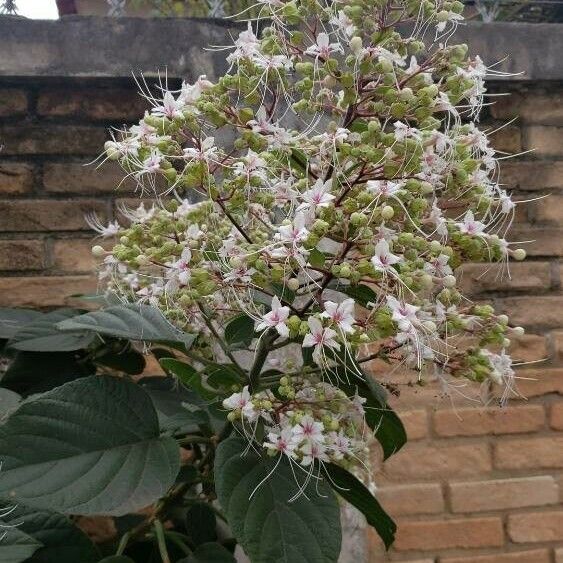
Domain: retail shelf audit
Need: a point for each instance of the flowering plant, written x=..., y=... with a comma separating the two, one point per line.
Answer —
x=310, y=212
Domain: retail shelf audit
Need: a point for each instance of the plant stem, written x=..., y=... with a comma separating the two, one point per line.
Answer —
x=262, y=351
x=161, y=540
x=123, y=543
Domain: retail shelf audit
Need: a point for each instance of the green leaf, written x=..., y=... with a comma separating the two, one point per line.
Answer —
x=361, y=293
x=380, y=417
x=201, y=524
x=12, y=320
x=354, y=491
x=239, y=331
x=266, y=524
x=53, y=536
x=37, y=372
x=178, y=408
x=42, y=334
x=317, y=258
x=116, y=559
x=189, y=376
x=132, y=322
x=128, y=361
x=210, y=553
x=91, y=446
x=8, y=402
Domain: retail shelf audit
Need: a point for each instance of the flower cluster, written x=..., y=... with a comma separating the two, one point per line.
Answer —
x=306, y=421
x=328, y=187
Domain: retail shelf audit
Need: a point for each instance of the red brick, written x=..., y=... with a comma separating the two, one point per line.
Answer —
x=493, y=420
x=430, y=535
x=48, y=215
x=544, y=141
x=503, y=494
x=539, y=381
x=401, y=500
x=557, y=341
x=27, y=139
x=524, y=276
x=559, y=555
x=428, y=461
x=529, y=453
x=71, y=177
x=556, y=416
x=109, y=105
x=536, y=527
x=508, y=139
x=21, y=255
x=530, y=311
x=532, y=174
x=532, y=556
x=15, y=178
x=529, y=348
x=548, y=210
x=544, y=241
x=74, y=256
x=415, y=423
x=13, y=102
x=530, y=107
x=42, y=291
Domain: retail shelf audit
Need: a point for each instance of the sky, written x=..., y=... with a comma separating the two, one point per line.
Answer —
x=37, y=9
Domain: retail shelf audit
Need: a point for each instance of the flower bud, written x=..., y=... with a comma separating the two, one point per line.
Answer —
x=293, y=284
x=518, y=331
x=387, y=212
x=519, y=254
x=449, y=281
x=98, y=251
x=356, y=45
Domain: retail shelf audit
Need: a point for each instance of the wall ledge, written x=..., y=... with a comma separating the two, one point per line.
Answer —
x=78, y=46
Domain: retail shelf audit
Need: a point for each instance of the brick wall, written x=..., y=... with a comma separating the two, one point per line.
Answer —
x=485, y=485
x=473, y=485
x=50, y=130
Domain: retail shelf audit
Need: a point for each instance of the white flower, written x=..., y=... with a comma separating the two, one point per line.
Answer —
x=342, y=314
x=438, y=266
x=323, y=47
x=207, y=152
x=109, y=230
x=470, y=225
x=404, y=314
x=276, y=318
x=383, y=260
x=242, y=401
x=308, y=430
x=170, y=107
x=384, y=188
x=319, y=337
x=295, y=232
x=317, y=196
x=281, y=440
x=343, y=22
x=179, y=270
x=313, y=451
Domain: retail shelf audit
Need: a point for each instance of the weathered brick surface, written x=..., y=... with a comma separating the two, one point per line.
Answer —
x=528, y=556
x=48, y=215
x=494, y=420
x=415, y=422
x=28, y=139
x=536, y=526
x=539, y=240
x=556, y=416
x=92, y=103
x=421, y=498
x=15, y=178
x=549, y=210
x=559, y=555
x=524, y=276
x=532, y=174
x=13, y=102
x=530, y=453
x=73, y=256
x=529, y=348
x=543, y=108
x=501, y=494
x=428, y=461
x=78, y=178
x=508, y=139
x=540, y=381
x=532, y=311
x=44, y=291
x=21, y=255
x=544, y=140
x=431, y=535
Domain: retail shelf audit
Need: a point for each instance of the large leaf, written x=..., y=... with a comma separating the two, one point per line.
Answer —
x=178, y=408
x=201, y=524
x=53, y=538
x=117, y=559
x=266, y=524
x=9, y=400
x=12, y=320
x=354, y=491
x=42, y=334
x=380, y=417
x=239, y=331
x=91, y=446
x=210, y=553
x=132, y=322
x=361, y=293
x=189, y=376
x=37, y=372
